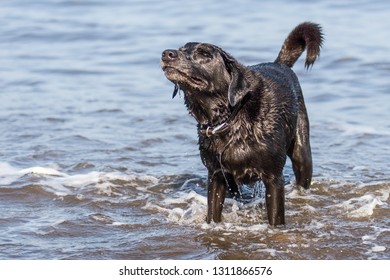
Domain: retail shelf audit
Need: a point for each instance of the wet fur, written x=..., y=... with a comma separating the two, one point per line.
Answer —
x=261, y=109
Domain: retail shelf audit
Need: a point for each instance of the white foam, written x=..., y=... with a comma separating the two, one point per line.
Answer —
x=309, y=208
x=183, y=208
x=190, y=208
x=373, y=236
x=9, y=174
x=301, y=194
x=41, y=171
x=361, y=168
x=355, y=129
x=378, y=248
x=63, y=184
x=184, y=197
x=271, y=252
x=364, y=206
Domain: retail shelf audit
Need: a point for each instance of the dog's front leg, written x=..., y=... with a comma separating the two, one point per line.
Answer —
x=215, y=196
x=274, y=199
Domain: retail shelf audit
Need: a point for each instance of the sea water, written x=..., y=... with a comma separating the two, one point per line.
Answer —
x=98, y=162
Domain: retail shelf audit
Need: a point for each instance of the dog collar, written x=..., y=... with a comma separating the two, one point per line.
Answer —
x=209, y=130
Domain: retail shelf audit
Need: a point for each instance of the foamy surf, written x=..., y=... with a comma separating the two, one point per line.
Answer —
x=62, y=184
x=188, y=205
x=126, y=201
x=364, y=200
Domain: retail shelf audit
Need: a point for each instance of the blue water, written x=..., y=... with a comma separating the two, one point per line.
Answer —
x=98, y=162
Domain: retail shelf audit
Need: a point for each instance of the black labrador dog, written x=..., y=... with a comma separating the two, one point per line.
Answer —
x=249, y=118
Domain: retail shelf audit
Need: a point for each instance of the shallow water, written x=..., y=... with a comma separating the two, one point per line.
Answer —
x=97, y=161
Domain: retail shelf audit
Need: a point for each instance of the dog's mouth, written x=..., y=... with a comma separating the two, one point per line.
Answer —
x=183, y=79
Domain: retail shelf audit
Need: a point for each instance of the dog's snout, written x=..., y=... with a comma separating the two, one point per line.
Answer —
x=169, y=55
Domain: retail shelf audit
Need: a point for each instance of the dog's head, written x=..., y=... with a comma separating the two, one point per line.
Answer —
x=201, y=67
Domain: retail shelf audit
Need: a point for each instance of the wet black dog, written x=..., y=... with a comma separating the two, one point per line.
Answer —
x=249, y=118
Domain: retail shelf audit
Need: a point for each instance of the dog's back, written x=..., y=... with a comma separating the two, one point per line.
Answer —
x=280, y=74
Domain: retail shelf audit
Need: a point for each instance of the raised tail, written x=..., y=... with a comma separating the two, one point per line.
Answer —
x=306, y=35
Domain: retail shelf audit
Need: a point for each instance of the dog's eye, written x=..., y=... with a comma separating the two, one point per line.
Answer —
x=204, y=53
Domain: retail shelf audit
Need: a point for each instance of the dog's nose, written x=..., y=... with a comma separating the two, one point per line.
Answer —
x=169, y=55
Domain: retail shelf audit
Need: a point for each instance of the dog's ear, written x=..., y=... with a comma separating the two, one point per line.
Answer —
x=238, y=86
